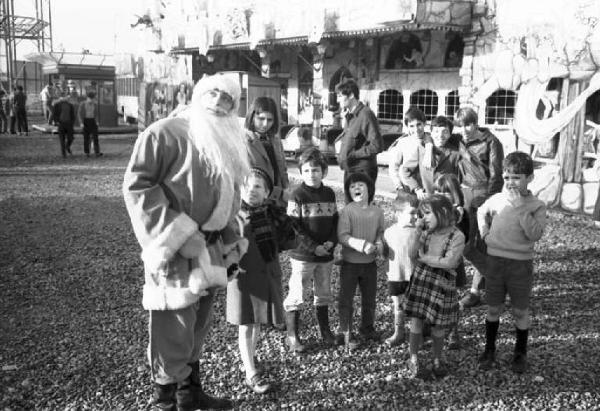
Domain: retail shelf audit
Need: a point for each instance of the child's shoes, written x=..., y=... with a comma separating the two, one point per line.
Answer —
x=370, y=334
x=395, y=339
x=439, y=369
x=347, y=339
x=487, y=360
x=413, y=368
x=519, y=363
x=258, y=384
x=453, y=339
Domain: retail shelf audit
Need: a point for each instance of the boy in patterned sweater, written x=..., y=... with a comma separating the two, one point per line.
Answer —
x=313, y=205
x=510, y=223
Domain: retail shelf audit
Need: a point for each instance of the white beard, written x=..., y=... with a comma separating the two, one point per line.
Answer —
x=221, y=143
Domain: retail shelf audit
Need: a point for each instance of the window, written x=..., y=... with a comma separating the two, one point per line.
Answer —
x=390, y=105
x=452, y=103
x=426, y=101
x=127, y=86
x=500, y=107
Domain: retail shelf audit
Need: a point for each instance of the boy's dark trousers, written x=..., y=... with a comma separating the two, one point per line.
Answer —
x=65, y=136
x=13, y=123
x=474, y=197
x=22, y=120
x=3, y=122
x=90, y=129
x=365, y=276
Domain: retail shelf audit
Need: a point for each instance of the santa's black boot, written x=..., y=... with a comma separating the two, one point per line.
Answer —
x=163, y=397
x=190, y=395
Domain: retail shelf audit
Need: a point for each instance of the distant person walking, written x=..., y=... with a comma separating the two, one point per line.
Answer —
x=63, y=114
x=88, y=117
x=47, y=98
x=10, y=110
x=3, y=118
x=596, y=214
x=361, y=139
x=20, y=108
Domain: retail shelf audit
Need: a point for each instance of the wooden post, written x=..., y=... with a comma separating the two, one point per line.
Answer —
x=579, y=130
x=568, y=140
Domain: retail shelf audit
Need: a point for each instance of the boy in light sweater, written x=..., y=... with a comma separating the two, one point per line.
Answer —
x=510, y=222
x=360, y=232
x=401, y=242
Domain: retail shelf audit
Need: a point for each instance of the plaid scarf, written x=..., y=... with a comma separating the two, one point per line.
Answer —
x=260, y=223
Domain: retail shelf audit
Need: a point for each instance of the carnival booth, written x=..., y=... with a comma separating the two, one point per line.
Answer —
x=78, y=74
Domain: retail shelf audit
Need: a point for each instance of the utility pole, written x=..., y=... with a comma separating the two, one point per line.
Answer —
x=14, y=29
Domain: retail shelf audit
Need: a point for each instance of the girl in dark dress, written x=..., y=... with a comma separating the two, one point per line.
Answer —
x=256, y=296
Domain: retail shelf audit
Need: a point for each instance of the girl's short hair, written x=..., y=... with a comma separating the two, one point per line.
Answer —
x=442, y=209
x=263, y=105
x=359, y=178
x=448, y=183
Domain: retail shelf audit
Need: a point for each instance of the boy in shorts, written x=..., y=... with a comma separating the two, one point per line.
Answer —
x=510, y=222
x=401, y=245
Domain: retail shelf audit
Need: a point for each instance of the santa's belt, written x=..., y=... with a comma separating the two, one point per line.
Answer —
x=211, y=237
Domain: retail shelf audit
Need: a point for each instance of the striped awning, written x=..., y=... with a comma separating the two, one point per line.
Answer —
x=359, y=33
x=382, y=31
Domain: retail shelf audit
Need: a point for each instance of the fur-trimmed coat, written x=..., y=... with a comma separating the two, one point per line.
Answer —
x=170, y=196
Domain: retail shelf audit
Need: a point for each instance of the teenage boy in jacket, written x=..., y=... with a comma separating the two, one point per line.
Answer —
x=361, y=139
x=480, y=167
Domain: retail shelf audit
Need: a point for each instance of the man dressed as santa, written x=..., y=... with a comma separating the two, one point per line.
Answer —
x=182, y=193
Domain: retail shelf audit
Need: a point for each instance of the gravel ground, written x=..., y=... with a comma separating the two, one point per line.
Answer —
x=73, y=332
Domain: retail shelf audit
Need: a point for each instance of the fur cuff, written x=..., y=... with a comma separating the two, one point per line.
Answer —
x=201, y=279
x=164, y=246
x=162, y=298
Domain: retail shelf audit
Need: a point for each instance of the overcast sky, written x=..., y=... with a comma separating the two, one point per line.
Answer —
x=85, y=24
